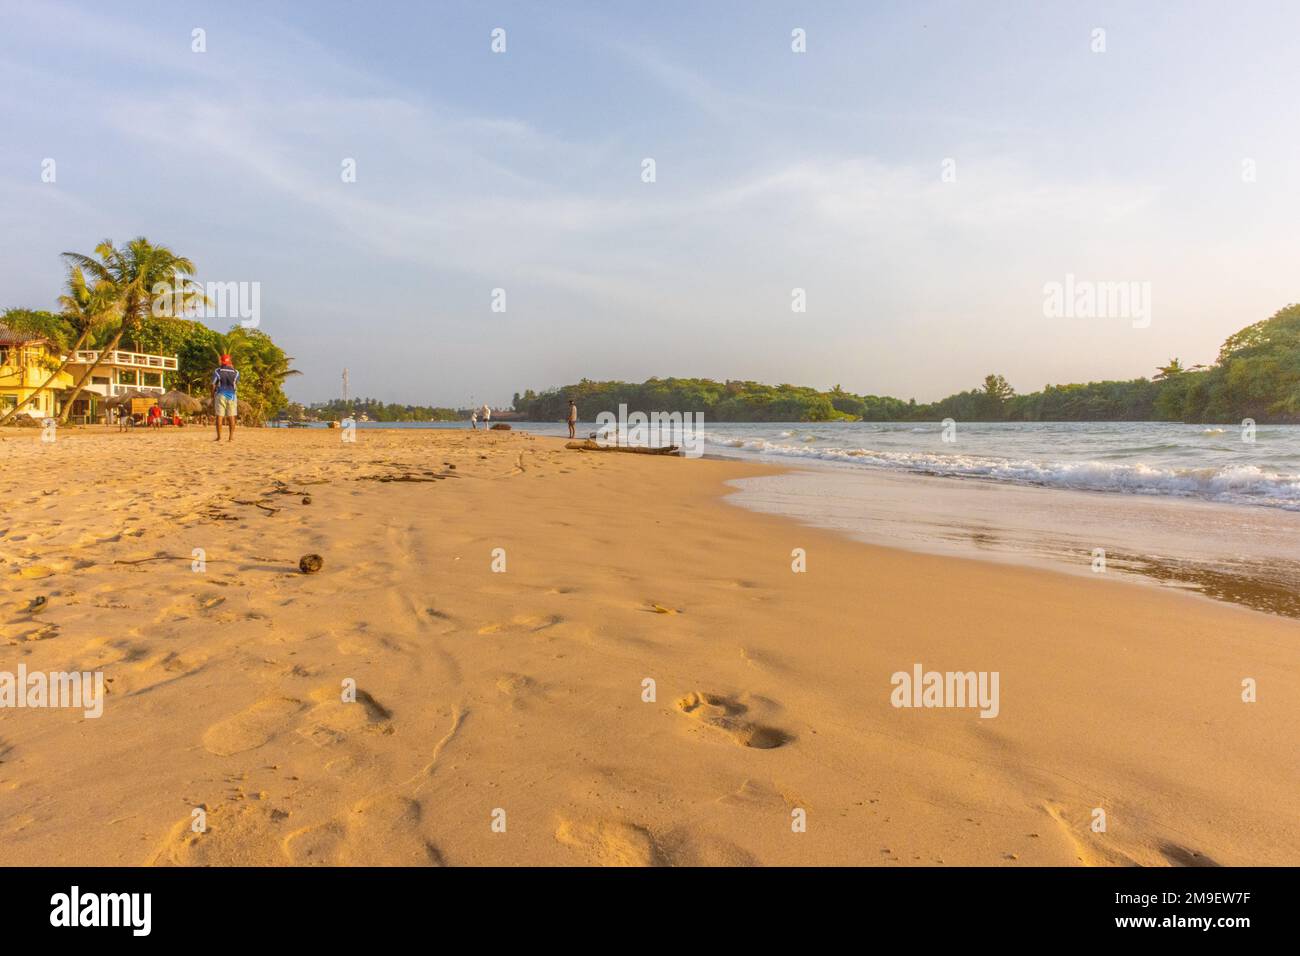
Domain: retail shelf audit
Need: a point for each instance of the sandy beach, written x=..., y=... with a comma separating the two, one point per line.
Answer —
x=501, y=713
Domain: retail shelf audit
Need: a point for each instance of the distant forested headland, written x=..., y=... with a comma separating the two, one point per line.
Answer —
x=1257, y=375
x=376, y=411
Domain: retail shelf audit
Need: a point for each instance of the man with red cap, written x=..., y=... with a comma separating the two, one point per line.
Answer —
x=224, y=400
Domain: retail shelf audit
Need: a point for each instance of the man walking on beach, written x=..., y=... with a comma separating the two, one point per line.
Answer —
x=224, y=402
x=487, y=416
x=573, y=418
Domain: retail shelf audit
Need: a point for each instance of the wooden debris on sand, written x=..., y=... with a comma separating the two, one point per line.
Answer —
x=590, y=445
x=406, y=476
x=256, y=504
x=156, y=557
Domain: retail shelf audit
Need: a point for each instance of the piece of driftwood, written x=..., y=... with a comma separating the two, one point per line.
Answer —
x=283, y=489
x=590, y=445
x=256, y=504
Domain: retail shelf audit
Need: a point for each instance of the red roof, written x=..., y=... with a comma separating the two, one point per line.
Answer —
x=10, y=337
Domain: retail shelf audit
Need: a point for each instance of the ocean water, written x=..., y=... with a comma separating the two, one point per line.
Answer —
x=1207, y=462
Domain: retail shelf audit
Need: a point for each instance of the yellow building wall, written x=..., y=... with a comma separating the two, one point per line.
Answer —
x=24, y=369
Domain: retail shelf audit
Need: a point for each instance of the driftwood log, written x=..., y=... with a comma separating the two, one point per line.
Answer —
x=590, y=445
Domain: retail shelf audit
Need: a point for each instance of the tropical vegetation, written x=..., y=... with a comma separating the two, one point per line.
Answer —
x=378, y=411
x=125, y=298
x=1256, y=376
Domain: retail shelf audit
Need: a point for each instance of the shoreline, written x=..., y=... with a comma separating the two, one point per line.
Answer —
x=1232, y=553
x=522, y=690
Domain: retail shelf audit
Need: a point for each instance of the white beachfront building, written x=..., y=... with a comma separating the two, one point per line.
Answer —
x=119, y=372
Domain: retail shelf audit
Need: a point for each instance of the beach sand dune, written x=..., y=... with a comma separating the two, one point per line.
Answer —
x=559, y=657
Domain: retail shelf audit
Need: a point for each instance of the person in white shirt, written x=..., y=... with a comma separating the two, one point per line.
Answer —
x=487, y=416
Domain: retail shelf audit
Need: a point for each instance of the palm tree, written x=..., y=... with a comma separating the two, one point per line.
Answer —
x=86, y=308
x=144, y=277
x=1175, y=367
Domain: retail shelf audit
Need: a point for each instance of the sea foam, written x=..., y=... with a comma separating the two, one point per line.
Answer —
x=1242, y=483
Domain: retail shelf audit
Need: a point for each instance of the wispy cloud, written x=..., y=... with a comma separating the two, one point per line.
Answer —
x=499, y=175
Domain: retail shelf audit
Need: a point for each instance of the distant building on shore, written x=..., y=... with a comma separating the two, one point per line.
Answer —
x=119, y=372
x=26, y=362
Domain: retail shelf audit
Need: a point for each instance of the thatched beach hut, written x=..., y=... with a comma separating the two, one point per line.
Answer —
x=178, y=401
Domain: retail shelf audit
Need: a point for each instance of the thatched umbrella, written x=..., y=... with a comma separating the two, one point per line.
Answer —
x=176, y=400
x=124, y=398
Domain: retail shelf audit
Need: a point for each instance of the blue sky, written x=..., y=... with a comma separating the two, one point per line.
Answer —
x=774, y=170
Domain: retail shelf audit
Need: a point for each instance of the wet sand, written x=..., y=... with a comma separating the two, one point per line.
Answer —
x=1242, y=554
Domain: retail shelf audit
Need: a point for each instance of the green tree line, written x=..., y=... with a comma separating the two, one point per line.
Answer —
x=378, y=411
x=1256, y=375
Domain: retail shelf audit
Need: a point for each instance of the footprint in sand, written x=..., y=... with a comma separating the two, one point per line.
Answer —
x=375, y=711
x=237, y=834
x=611, y=843
x=316, y=845
x=1092, y=849
x=686, y=848
x=251, y=728
x=386, y=831
x=524, y=623
x=41, y=633
x=726, y=714
x=520, y=689
x=332, y=719
x=154, y=670
x=1184, y=856
x=376, y=831
x=756, y=795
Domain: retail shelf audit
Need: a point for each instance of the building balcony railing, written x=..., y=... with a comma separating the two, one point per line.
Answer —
x=151, y=389
x=125, y=359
